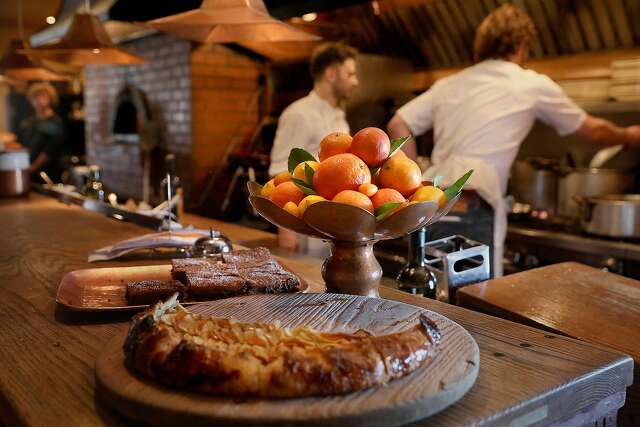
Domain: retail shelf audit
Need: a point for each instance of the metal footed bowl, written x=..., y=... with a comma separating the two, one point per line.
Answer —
x=352, y=267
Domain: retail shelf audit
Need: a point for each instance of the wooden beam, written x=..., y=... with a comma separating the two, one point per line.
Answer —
x=386, y=5
x=591, y=65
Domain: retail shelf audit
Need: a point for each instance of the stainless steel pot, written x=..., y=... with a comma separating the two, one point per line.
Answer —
x=589, y=182
x=14, y=173
x=535, y=182
x=616, y=215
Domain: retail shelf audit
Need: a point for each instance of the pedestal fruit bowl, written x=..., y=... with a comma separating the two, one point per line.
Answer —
x=351, y=229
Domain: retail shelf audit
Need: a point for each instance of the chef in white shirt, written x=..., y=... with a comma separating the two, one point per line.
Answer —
x=305, y=122
x=481, y=115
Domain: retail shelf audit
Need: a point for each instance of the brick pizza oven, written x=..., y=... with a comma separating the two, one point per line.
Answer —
x=195, y=98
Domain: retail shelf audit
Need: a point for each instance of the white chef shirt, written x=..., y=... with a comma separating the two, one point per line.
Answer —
x=480, y=117
x=303, y=124
x=485, y=112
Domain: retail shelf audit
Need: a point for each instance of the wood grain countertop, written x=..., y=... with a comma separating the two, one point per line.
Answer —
x=527, y=376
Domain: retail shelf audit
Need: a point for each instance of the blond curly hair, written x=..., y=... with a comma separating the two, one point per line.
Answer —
x=502, y=32
x=43, y=87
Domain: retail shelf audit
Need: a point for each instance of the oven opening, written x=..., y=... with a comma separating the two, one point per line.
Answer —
x=129, y=116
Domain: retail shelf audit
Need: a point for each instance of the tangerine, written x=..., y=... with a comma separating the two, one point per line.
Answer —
x=286, y=192
x=334, y=143
x=268, y=188
x=372, y=145
x=368, y=189
x=299, y=171
x=340, y=172
x=354, y=198
x=308, y=201
x=281, y=177
x=429, y=193
x=292, y=208
x=386, y=195
x=402, y=174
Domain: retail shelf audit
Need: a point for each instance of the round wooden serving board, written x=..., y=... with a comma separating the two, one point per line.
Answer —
x=423, y=393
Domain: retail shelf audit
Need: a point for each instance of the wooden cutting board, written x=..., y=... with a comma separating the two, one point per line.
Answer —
x=423, y=393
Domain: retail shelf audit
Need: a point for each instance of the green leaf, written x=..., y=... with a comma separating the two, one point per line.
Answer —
x=385, y=209
x=397, y=143
x=308, y=173
x=297, y=156
x=457, y=186
x=308, y=191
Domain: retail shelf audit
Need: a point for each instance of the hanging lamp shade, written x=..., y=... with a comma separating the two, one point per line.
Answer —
x=228, y=21
x=85, y=42
x=14, y=65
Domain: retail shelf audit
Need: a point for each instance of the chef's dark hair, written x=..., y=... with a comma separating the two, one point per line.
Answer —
x=328, y=54
x=502, y=32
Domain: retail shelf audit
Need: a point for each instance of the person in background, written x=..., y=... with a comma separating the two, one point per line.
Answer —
x=43, y=133
x=305, y=122
x=481, y=115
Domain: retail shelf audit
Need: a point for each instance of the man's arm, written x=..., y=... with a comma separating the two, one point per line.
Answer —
x=397, y=128
x=292, y=132
x=602, y=131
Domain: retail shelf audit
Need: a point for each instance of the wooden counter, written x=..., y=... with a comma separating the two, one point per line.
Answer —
x=47, y=356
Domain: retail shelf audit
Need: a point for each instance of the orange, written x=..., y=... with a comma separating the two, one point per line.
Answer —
x=334, y=143
x=354, y=198
x=308, y=201
x=372, y=145
x=402, y=174
x=292, y=208
x=368, y=189
x=340, y=172
x=286, y=192
x=386, y=195
x=429, y=193
x=267, y=189
x=281, y=177
x=299, y=173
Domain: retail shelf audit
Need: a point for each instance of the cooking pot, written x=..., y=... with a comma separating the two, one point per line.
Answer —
x=615, y=215
x=534, y=181
x=14, y=173
x=589, y=182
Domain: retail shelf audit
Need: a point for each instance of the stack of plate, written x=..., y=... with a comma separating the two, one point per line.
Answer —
x=587, y=90
x=625, y=80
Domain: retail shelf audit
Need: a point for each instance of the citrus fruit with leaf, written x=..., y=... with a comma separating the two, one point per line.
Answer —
x=268, y=188
x=300, y=171
x=372, y=145
x=354, y=198
x=400, y=173
x=340, y=172
x=281, y=177
x=429, y=193
x=286, y=192
x=334, y=143
x=386, y=195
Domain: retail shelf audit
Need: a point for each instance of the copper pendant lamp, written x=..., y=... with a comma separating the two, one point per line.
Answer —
x=85, y=42
x=228, y=21
x=18, y=66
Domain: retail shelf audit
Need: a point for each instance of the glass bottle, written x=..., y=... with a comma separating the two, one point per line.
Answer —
x=94, y=189
x=414, y=277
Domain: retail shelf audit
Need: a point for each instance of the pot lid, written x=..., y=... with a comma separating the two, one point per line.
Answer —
x=226, y=21
x=85, y=42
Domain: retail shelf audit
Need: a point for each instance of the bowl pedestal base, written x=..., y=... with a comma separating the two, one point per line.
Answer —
x=352, y=268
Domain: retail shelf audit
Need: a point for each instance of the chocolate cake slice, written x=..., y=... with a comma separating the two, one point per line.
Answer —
x=249, y=257
x=215, y=281
x=181, y=266
x=269, y=279
x=151, y=291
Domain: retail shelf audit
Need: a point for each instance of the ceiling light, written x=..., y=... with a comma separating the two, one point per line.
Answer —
x=17, y=66
x=309, y=17
x=50, y=20
x=230, y=21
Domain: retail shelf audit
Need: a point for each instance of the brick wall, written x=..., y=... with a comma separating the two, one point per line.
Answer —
x=166, y=81
x=224, y=104
x=203, y=96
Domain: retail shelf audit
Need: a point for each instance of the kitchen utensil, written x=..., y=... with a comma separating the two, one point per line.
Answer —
x=589, y=182
x=104, y=289
x=615, y=215
x=352, y=267
x=425, y=392
x=604, y=155
x=14, y=173
x=535, y=182
x=214, y=243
